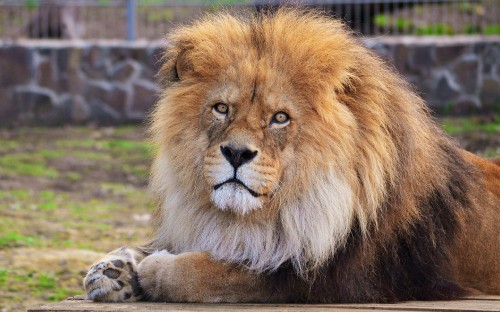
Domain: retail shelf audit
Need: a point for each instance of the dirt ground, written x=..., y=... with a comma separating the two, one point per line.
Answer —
x=68, y=195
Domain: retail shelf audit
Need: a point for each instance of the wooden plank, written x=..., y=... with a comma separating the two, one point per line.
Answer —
x=459, y=305
x=148, y=306
x=468, y=304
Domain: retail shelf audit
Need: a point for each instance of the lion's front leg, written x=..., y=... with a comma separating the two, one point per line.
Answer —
x=114, y=277
x=195, y=277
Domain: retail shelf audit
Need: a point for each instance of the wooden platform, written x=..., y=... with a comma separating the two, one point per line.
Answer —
x=489, y=303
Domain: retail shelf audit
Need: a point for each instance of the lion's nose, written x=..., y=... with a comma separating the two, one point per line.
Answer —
x=237, y=156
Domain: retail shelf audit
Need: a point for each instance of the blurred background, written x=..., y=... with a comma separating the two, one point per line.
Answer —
x=77, y=80
x=151, y=19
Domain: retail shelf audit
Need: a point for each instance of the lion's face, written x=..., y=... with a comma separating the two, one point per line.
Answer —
x=251, y=140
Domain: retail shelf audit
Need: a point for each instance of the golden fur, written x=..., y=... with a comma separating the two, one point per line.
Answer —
x=358, y=174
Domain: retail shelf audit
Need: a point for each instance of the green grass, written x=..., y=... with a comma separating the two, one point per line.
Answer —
x=3, y=276
x=44, y=281
x=51, y=153
x=73, y=176
x=6, y=145
x=62, y=293
x=15, y=239
x=492, y=154
x=26, y=164
x=462, y=125
x=75, y=143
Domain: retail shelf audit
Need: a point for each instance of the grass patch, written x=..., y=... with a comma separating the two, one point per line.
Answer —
x=19, y=194
x=3, y=276
x=15, y=239
x=463, y=125
x=492, y=154
x=73, y=176
x=50, y=205
x=6, y=145
x=83, y=143
x=26, y=164
x=62, y=293
x=52, y=153
x=91, y=155
x=44, y=281
x=128, y=148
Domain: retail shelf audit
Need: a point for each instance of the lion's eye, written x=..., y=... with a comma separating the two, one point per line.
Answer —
x=221, y=108
x=280, y=118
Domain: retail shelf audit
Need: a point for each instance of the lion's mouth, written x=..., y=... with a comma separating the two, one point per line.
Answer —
x=235, y=180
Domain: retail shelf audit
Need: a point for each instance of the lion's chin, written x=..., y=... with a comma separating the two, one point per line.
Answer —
x=234, y=197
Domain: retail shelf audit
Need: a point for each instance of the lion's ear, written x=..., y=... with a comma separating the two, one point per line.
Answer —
x=176, y=66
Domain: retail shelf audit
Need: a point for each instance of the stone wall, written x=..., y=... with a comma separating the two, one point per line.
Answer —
x=63, y=82
x=455, y=75
x=57, y=82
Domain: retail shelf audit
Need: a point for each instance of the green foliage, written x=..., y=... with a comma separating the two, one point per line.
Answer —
x=161, y=15
x=436, y=29
x=381, y=20
x=492, y=29
x=32, y=4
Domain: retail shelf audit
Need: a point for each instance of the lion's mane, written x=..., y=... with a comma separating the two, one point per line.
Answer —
x=375, y=193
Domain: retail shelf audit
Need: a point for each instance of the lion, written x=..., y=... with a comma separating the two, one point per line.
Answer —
x=294, y=165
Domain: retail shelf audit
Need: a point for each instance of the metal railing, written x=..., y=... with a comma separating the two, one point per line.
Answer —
x=152, y=19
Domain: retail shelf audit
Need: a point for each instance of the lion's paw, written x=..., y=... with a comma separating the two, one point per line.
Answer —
x=114, y=279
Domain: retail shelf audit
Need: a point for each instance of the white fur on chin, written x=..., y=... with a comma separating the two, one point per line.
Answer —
x=234, y=197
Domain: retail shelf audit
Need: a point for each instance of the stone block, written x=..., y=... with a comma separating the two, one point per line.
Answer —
x=125, y=71
x=445, y=91
x=95, y=62
x=490, y=94
x=422, y=58
x=138, y=54
x=78, y=108
x=72, y=82
x=8, y=113
x=144, y=98
x=491, y=58
x=46, y=74
x=118, y=99
x=400, y=58
x=118, y=54
x=448, y=53
x=17, y=65
x=102, y=114
x=100, y=90
x=36, y=106
x=68, y=59
x=466, y=74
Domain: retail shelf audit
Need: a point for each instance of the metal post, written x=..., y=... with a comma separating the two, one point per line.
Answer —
x=131, y=5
